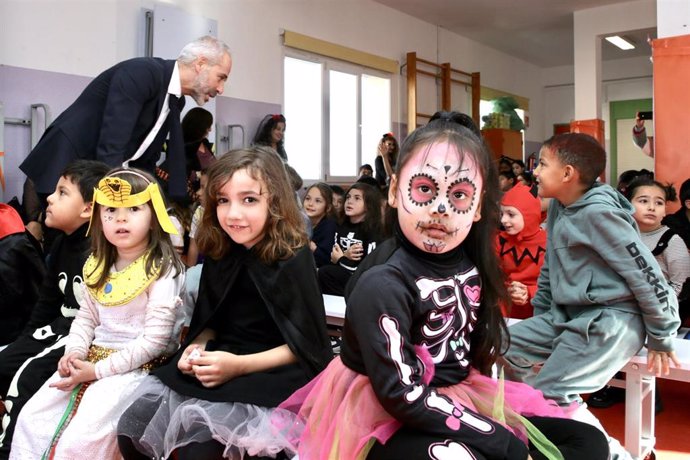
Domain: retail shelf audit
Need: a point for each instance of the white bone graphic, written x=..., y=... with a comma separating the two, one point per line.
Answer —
x=455, y=413
x=450, y=450
x=389, y=327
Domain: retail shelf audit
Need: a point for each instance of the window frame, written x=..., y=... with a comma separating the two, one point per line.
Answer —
x=328, y=64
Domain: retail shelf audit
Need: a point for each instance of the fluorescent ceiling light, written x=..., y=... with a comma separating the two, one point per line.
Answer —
x=620, y=42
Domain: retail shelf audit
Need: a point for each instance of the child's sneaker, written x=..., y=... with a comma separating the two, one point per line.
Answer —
x=606, y=397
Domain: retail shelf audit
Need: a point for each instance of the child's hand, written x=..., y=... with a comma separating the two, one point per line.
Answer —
x=660, y=361
x=63, y=364
x=518, y=293
x=336, y=253
x=185, y=362
x=382, y=150
x=355, y=252
x=214, y=368
x=312, y=246
x=79, y=372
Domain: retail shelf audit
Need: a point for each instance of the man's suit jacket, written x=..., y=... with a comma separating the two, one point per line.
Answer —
x=107, y=122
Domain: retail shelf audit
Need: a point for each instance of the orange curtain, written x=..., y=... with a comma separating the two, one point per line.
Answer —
x=671, y=58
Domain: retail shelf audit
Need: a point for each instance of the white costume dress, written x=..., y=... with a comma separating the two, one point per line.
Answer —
x=133, y=322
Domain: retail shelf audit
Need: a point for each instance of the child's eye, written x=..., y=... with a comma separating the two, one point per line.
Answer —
x=461, y=195
x=110, y=209
x=221, y=200
x=135, y=208
x=250, y=199
x=423, y=189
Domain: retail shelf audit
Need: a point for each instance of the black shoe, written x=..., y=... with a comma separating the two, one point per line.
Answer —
x=606, y=397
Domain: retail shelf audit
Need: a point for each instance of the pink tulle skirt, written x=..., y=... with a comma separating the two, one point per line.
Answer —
x=340, y=416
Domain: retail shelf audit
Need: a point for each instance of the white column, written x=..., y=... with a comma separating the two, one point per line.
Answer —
x=673, y=18
x=591, y=26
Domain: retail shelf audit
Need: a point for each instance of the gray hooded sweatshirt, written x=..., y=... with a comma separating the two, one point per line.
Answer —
x=596, y=259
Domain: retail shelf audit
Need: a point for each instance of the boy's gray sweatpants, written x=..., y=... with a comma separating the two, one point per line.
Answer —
x=579, y=354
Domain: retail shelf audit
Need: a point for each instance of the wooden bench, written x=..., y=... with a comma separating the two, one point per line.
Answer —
x=335, y=310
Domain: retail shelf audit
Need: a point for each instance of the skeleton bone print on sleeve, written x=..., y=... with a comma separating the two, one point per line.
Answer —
x=450, y=320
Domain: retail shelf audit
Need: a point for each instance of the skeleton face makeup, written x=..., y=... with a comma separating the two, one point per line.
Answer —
x=437, y=194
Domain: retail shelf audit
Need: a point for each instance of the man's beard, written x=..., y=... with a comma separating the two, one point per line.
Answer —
x=198, y=93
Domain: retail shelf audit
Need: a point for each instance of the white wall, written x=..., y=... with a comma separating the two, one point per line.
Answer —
x=622, y=79
x=590, y=25
x=91, y=35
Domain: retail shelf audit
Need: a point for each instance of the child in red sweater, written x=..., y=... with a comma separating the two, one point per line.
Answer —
x=521, y=247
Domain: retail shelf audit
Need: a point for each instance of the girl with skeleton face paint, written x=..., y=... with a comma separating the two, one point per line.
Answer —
x=423, y=328
x=437, y=194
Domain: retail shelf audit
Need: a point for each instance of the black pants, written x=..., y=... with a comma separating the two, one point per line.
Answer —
x=333, y=278
x=575, y=440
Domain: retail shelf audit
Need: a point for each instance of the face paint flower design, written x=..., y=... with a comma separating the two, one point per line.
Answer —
x=437, y=195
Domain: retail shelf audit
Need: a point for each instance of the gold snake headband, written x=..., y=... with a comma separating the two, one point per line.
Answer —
x=115, y=192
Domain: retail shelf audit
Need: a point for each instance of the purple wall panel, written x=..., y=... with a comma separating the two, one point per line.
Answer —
x=233, y=111
x=19, y=88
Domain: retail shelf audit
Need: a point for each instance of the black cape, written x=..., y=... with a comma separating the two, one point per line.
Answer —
x=291, y=293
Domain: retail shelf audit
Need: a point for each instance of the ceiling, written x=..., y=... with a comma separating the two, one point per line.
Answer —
x=536, y=31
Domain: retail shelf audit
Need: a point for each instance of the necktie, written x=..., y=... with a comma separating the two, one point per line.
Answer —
x=177, y=182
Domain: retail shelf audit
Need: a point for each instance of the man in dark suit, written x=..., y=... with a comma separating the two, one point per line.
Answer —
x=127, y=111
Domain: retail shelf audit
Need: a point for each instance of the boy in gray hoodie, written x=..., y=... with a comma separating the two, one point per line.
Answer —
x=600, y=292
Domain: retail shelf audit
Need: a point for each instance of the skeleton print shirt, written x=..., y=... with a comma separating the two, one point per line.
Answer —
x=419, y=299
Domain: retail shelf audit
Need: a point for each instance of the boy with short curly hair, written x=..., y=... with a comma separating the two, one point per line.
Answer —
x=600, y=293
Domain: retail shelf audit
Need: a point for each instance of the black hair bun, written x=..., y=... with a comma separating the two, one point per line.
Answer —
x=457, y=117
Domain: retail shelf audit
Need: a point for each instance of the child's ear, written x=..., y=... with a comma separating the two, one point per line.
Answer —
x=478, y=212
x=392, y=191
x=569, y=173
x=687, y=204
x=86, y=211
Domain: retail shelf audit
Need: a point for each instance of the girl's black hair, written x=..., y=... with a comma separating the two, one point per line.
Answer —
x=460, y=131
x=396, y=149
x=510, y=175
x=527, y=176
x=646, y=181
x=195, y=124
x=373, y=222
x=263, y=133
x=626, y=177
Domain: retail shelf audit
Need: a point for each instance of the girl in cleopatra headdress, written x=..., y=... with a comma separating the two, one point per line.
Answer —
x=128, y=322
